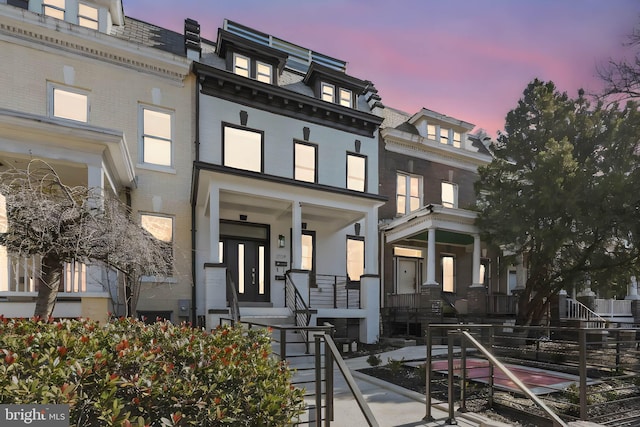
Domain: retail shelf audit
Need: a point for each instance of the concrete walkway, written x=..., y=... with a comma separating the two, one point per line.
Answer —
x=395, y=406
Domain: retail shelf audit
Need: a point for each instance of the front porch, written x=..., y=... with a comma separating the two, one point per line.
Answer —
x=81, y=292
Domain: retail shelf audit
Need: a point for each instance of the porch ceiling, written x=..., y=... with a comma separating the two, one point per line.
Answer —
x=233, y=204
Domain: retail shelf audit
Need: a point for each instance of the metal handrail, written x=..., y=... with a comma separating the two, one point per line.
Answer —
x=584, y=308
x=298, y=308
x=234, y=305
x=333, y=355
x=493, y=362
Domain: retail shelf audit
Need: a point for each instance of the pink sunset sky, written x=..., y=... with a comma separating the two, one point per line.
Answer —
x=468, y=59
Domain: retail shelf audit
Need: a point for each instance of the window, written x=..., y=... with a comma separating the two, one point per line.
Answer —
x=157, y=137
x=305, y=162
x=22, y=4
x=328, y=92
x=448, y=273
x=345, y=98
x=431, y=132
x=512, y=281
x=407, y=252
x=160, y=227
x=54, y=8
x=457, y=139
x=263, y=72
x=356, y=172
x=355, y=258
x=241, y=65
x=449, y=195
x=69, y=104
x=444, y=136
x=87, y=16
x=408, y=193
x=242, y=148
x=308, y=249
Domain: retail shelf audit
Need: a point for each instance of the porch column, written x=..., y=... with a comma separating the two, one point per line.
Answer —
x=95, y=274
x=632, y=289
x=431, y=258
x=95, y=182
x=371, y=242
x=296, y=237
x=214, y=224
x=476, y=261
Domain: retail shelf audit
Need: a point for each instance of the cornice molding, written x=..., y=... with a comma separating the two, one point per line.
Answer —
x=229, y=86
x=400, y=142
x=41, y=32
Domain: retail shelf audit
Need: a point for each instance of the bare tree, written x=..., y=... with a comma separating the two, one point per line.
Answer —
x=622, y=76
x=60, y=224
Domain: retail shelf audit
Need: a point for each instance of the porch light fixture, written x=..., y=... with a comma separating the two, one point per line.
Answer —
x=281, y=241
x=356, y=228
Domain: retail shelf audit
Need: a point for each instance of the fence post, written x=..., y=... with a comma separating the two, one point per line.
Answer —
x=328, y=378
x=463, y=376
x=427, y=372
x=492, y=334
x=452, y=418
x=283, y=344
x=318, y=370
x=583, y=373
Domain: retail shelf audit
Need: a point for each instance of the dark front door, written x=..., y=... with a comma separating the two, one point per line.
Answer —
x=246, y=262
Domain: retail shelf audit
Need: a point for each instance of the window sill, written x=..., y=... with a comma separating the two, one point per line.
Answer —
x=156, y=168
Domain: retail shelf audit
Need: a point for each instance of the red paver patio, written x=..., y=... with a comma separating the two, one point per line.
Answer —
x=539, y=381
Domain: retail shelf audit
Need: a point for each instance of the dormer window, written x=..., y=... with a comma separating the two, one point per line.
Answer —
x=54, y=8
x=346, y=98
x=263, y=72
x=457, y=139
x=87, y=16
x=328, y=92
x=444, y=136
x=431, y=132
x=248, y=67
x=241, y=65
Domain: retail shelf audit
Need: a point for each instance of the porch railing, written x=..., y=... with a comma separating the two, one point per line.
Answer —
x=334, y=292
x=578, y=311
x=502, y=304
x=21, y=274
x=613, y=308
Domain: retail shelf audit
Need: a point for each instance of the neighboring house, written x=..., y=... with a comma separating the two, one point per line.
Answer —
x=108, y=102
x=285, y=186
x=433, y=260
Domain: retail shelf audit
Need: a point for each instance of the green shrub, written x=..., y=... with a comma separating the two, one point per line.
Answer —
x=129, y=373
x=374, y=360
x=395, y=365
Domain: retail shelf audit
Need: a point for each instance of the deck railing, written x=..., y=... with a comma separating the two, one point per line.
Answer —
x=20, y=275
x=334, y=292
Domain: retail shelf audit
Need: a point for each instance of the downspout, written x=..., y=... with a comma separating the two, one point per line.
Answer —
x=194, y=188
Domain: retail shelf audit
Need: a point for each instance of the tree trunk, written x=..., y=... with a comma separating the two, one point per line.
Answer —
x=52, y=268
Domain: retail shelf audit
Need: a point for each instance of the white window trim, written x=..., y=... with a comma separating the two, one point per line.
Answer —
x=444, y=255
x=151, y=166
x=455, y=194
x=46, y=5
x=96, y=20
x=258, y=63
x=340, y=91
x=50, y=101
x=407, y=195
x=322, y=86
x=237, y=55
